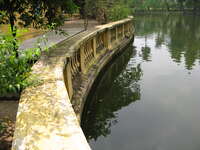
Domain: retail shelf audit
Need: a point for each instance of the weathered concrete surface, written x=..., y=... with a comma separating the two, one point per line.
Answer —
x=46, y=119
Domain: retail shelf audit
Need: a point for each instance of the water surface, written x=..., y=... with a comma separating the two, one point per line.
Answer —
x=149, y=98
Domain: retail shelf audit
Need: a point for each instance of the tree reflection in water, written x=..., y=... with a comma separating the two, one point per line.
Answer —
x=117, y=88
x=181, y=34
x=146, y=51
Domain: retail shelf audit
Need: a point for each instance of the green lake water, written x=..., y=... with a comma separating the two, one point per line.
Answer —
x=149, y=97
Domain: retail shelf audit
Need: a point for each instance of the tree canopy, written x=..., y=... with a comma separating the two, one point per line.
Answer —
x=39, y=14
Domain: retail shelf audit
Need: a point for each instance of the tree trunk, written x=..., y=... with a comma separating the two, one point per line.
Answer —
x=194, y=5
x=14, y=32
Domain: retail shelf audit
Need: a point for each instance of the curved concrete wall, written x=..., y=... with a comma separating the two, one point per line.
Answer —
x=46, y=119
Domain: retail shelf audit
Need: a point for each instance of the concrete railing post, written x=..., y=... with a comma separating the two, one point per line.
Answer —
x=123, y=34
x=94, y=42
x=116, y=33
x=132, y=28
x=129, y=28
x=109, y=43
x=82, y=59
x=69, y=80
x=108, y=39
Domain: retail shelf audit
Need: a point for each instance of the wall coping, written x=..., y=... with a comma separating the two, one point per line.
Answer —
x=46, y=119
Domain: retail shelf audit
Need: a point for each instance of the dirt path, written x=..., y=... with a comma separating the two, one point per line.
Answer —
x=70, y=27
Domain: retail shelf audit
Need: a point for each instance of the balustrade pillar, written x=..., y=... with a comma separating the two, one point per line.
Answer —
x=132, y=28
x=69, y=80
x=123, y=34
x=116, y=33
x=108, y=39
x=94, y=42
x=129, y=31
x=82, y=59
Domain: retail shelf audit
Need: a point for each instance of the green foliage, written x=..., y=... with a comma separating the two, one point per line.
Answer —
x=15, y=70
x=39, y=14
x=108, y=10
x=71, y=7
x=119, y=11
x=2, y=17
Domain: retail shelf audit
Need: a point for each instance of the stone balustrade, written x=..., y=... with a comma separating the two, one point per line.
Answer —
x=87, y=50
x=49, y=111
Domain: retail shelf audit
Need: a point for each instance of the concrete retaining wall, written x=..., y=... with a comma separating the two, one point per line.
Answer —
x=46, y=119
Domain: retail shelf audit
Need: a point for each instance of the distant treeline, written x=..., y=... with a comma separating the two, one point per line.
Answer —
x=166, y=5
x=117, y=9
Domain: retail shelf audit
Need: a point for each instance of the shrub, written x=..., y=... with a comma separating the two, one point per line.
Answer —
x=14, y=70
x=119, y=11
